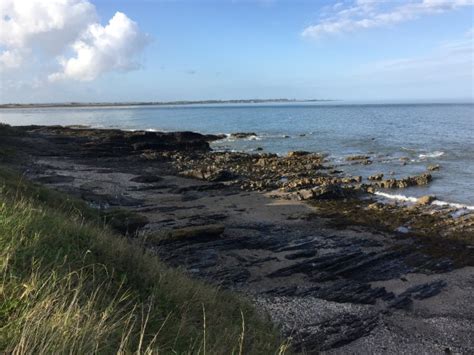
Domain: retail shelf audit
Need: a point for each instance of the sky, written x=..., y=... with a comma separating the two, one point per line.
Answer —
x=152, y=50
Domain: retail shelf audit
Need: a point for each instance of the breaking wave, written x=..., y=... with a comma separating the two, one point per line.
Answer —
x=435, y=154
x=397, y=197
x=403, y=198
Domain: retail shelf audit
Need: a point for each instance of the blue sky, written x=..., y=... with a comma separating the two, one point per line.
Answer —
x=175, y=50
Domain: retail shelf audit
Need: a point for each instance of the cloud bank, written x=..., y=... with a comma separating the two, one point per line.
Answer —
x=365, y=14
x=66, y=34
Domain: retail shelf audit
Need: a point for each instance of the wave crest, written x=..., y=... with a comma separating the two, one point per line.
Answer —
x=403, y=198
x=435, y=154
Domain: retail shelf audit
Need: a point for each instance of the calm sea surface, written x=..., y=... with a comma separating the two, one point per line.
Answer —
x=423, y=133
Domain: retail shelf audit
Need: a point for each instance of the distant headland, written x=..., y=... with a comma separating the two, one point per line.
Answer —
x=157, y=103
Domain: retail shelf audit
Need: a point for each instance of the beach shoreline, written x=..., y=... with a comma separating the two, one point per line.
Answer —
x=343, y=272
x=400, y=140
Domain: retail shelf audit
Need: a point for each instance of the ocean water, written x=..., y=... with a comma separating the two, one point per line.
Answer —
x=402, y=139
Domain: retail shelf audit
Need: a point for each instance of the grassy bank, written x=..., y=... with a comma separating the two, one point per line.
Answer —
x=69, y=284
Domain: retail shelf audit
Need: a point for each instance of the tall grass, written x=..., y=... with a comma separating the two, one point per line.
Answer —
x=70, y=285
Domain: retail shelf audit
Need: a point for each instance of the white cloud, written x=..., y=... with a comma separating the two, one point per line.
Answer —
x=101, y=49
x=49, y=29
x=26, y=21
x=47, y=26
x=10, y=59
x=448, y=60
x=364, y=14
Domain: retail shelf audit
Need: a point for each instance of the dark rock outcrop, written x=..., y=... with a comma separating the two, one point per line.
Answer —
x=376, y=177
x=124, y=221
x=417, y=180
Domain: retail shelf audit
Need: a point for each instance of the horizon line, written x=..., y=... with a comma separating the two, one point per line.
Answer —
x=228, y=101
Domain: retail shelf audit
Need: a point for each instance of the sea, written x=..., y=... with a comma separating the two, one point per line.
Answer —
x=401, y=139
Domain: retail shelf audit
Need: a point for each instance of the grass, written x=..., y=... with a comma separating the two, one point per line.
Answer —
x=70, y=285
x=7, y=154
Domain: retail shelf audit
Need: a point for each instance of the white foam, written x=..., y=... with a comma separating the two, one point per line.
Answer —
x=231, y=138
x=140, y=129
x=399, y=197
x=227, y=138
x=435, y=154
x=458, y=206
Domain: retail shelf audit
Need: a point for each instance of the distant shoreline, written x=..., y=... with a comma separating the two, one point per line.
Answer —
x=224, y=102
x=157, y=103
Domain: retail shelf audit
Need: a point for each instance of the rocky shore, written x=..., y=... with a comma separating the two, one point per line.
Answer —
x=335, y=267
